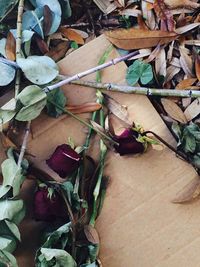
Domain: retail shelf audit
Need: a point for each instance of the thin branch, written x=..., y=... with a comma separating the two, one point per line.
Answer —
x=90, y=71
x=9, y=62
x=139, y=90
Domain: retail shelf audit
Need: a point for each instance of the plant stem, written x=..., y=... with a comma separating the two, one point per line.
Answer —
x=65, y=111
x=139, y=90
x=90, y=71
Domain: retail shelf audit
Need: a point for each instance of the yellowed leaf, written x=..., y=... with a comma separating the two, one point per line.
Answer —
x=193, y=110
x=197, y=68
x=11, y=47
x=72, y=35
x=185, y=84
x=138, y=38
x=173, y=110
x=190, y=192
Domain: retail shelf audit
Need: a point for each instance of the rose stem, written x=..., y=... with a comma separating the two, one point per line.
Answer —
x=138, y=90
x=90, y=71
x=65, y=111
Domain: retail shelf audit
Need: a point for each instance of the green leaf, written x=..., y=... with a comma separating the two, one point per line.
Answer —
x=26, y=35
x=31, y=21
x=12, y=176
x=93, y=252
x=6, y=115
x=14, y=229
x=3, y=47
x=57, y=96
x=31, y=95
x=8, y=244
x=89, y=265
x=103, y=60
x=62, y=258
x=190, y=144
x=6, y=7
x=66, y=8
x=7, y=74
x=31, y=112
x=12, y=210
x=139, y=70
x=38, y=69
x=7, y=259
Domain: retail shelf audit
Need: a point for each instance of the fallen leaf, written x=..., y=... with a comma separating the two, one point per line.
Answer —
x=171, y=72
x=48, y=19
x=58, y=52
x=193, y=110
x=84, y=108
x=190, y=192
x=187, y=28
x=6, y=142
x=186, y=62
x=11, y=47
x=181, y=3
x=91, y=234
x=117, y=109
x=72, y=35
x=186, y=84
x=136, y=38
x=42, y=45
x=161, y=63
x=173, y=110
x=197, y=67
x=166, y=16
x=141, y=22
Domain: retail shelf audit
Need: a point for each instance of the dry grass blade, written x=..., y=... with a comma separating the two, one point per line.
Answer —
x=193, y=110
x=139, y=38
x=117, y=109
x=173, y=110
x=190, y=192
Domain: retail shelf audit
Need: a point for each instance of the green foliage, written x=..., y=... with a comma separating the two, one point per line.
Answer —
x=66, y=9
x=12, y=210
x=6, y=7
x=6, y=115
x=7, y=259
x=38, y=69
x=7, y=74
x=57, y=96
x=139, y=70
x=31, y=21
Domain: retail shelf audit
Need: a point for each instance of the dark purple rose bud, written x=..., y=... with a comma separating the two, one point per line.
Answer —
x=64, y=160
x=48, y=208
x=128, y=143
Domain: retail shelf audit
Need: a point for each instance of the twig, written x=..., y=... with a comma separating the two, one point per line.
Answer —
x=9, y=62
x=90, y=71
x=138, y=90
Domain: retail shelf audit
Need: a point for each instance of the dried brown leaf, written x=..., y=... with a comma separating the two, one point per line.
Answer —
x=42, y=45
x=193, y=110
x=197, y=67
x=10, y=47
x=84, y=108
x=48, y=18
x=187, y=28
x=59, y=51
x=173, y=110
x=117, y=109
x=161, y=63
x=91, y=234
x=190, y=192
x=72, y=35
x=137, y=38
x=186, y=83
x=166, y=16
x=6, y=142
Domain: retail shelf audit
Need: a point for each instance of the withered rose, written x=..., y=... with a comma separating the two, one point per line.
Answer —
x=64, y=160
x=128, y=143
x=48, y=208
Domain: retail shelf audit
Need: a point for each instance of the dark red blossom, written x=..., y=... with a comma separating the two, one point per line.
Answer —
x=48, y=208
x=128, y=143
x=64, y=160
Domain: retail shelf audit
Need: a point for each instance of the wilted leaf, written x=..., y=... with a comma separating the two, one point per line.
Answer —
x=91, y=234
x=173, y=110
x=117, y=109
x=38, y=69
x=72, y=35
x=137, y=38
x=190, y=192
x=186, y=83
x=7, y=74
x=197, y=67
x=10, y=47
x=192, y=110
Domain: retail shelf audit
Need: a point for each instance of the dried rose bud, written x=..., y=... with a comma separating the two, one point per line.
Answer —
x=48, y=208
x=128, y=143
x=64, y=160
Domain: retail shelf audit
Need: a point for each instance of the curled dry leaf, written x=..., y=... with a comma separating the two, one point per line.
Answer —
x=190, y=192
x=186, y=84
x=186, y=62
x=173, y=110
x=181, y=3
x=84, y=108
x=193, y=110
x=91, y=234
x=72, y=35
x=10, y=47
x=161, y=63
x=197, y=67
x=137, y=38
x=58, y=52
x=117, y=109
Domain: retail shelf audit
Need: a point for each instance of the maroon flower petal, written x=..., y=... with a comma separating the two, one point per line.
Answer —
x=64, y=160
x=128, y=143
x=48, y=209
